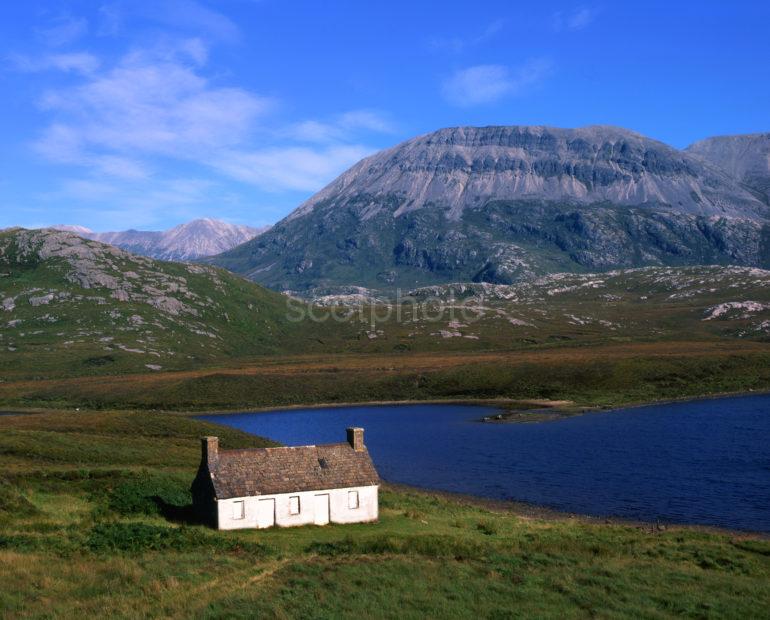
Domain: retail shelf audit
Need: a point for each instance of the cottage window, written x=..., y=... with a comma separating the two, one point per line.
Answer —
x=239, y=510
x=352, y=500
x=294, y=505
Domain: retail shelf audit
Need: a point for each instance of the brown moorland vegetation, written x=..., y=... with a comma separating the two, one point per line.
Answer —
x=601, y=376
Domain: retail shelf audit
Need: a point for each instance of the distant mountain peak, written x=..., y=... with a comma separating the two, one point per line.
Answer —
x=187, y=241
x=71, y=228
x=745, y=157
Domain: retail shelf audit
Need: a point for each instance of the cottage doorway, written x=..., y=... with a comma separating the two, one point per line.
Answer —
x=266, y=512
x=322, y=509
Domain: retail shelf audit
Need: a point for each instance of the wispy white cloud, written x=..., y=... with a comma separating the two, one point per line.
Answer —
x=369, y=120
x=196, y=49
x=109, y=20
x=79, y=62
x=63, y=144
x=151, y=103
x=157, y=133
x=173, y=191
x=483, y=84
x=344, y=127
x=182, y=16
x=574, y=20
x=298, y=168
x=62, y=29
x=129, y=124
x=195, y=16
x=459, y=44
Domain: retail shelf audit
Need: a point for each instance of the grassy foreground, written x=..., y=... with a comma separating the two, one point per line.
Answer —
x=94, y=520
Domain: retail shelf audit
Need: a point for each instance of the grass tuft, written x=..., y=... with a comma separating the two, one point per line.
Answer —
x=134, y=537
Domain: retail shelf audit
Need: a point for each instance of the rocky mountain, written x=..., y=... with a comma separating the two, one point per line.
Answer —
x=76, y=305
x=746, y=158
x=502, y=204
x=195, y=239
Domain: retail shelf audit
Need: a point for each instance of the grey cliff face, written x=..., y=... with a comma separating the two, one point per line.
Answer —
x=461, y=167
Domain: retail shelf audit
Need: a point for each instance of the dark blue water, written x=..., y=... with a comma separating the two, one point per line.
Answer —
x=704, y=462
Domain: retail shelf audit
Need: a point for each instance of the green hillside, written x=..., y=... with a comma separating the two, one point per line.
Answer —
x=77, y=306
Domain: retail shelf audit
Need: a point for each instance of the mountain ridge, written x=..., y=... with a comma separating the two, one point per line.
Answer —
x=188, y=241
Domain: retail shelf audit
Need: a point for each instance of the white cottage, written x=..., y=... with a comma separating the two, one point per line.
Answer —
x=263, y=487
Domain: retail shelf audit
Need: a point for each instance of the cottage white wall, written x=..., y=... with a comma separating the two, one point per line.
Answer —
x=368, y=508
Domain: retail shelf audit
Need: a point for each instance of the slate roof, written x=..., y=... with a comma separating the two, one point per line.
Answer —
x=268, y=471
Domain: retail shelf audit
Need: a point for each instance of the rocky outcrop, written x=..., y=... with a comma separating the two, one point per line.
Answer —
x=93, y=265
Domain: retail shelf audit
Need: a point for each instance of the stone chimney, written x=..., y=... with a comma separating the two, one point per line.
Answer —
x=356, y=438
x=209, y=449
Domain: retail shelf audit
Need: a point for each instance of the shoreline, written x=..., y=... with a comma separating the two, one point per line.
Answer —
x=470, y=402
x=685, y=399
x=527, y=510
x=560, y=408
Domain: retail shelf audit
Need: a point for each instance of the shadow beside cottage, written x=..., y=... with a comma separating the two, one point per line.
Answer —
x=182, y=515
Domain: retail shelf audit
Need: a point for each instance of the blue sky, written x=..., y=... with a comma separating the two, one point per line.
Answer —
x=131, y=113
